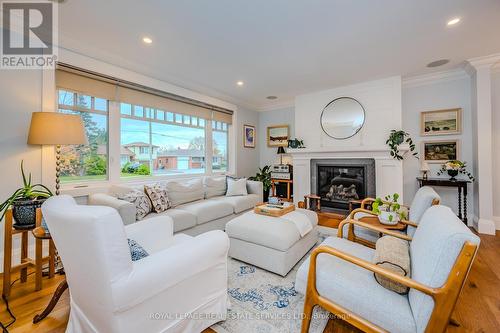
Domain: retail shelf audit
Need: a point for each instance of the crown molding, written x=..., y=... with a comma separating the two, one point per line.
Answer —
x=277, y=106
x=488, y=61
x=426, y=79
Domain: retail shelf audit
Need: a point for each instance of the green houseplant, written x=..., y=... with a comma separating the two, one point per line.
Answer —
x=397, y=138
x=24, y=202
x=264, y=176
x=389, y=211
x=453, y=168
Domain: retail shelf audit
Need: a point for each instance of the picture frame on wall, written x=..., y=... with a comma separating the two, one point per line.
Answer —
x=249, y=136
x=277, y=136
x=441, y=122
x=440, y=151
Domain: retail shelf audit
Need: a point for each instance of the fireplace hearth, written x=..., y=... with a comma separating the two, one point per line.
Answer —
x=338, y=181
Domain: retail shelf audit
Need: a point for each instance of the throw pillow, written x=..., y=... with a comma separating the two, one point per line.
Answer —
x=141, y=202
x=158, y=196
x=137, y=252
x=214, y=186
x=184, y=191
x=392, y=254
x=236, y=187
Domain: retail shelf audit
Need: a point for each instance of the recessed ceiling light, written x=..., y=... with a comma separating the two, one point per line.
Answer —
x=454, y=21
x=147, y=40
x=240, y=83
x=272, y=97
x=438, y=63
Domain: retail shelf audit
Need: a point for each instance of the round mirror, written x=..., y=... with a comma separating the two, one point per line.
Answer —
x=342, y=118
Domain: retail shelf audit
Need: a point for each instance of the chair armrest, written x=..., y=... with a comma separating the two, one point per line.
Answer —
x=153, y=234
x=410, y=223
x=368, y=266
x=255, y=187
x=126, y=209
x=340, y=233
x=155, y=274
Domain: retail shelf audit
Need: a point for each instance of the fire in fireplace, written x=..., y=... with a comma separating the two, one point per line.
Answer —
x=341, y=180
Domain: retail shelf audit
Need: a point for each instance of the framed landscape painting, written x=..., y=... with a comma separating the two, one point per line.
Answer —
x=248, y=136
x=441, y=122
x=277, y=136
x=441, y=151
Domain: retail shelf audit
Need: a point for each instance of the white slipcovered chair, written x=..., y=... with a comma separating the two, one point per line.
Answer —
x=424, y=198
x=180, y=287
x=339, y=277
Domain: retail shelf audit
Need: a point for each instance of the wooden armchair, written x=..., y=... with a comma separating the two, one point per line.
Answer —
x=340, y=278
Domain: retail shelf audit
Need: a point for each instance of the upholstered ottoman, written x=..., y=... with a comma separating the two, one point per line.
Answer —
x=271, y=243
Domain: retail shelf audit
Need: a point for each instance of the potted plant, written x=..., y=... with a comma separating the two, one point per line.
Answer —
x=396, y=138
x=389, y=210
x=453, y=168
x=24, y=202
x=264, y=176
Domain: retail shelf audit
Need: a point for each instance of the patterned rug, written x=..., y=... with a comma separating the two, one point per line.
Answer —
x=265, y=302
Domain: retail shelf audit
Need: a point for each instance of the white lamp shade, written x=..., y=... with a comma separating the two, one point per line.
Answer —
x=53, y=128
x=424, y=166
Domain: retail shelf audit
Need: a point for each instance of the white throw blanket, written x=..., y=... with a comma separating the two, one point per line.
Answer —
x=300, y=220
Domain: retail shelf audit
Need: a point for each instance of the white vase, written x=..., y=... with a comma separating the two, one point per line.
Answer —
x=384, y=218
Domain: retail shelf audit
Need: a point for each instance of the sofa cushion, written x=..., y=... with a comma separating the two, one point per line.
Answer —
x=207, y=210
x=355, y=289
x=182, y=219
x=184, y=191
x=214, y=186
x=240, y=203
x=236, y=186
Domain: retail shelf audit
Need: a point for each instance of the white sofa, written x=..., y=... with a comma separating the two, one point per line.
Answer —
x=170, y=291
x=199, y=204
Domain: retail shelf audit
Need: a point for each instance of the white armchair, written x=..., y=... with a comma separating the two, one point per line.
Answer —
x=180, y=287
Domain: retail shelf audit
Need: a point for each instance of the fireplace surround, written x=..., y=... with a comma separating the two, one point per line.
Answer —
x=337, y=181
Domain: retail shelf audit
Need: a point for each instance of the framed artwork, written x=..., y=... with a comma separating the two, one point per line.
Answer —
x=277, y=136
x=249, y=136
x=441, y=151
x=441, y=122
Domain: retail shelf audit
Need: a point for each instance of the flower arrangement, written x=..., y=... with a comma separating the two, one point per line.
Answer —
x=389, y=210
x=455, y=167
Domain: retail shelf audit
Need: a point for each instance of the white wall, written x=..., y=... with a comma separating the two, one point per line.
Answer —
x=247, y=159
x=381, y=100
x=284, y=116
x=446, y=93
x=496, y=145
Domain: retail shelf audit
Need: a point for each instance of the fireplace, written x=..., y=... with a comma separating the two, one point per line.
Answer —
x=338, y=181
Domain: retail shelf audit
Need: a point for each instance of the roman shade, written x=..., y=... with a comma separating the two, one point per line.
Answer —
x=82, y=81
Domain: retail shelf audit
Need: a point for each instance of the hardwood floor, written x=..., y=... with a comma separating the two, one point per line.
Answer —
x=478, y=308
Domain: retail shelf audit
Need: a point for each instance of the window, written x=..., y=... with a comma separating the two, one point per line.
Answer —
x=90, y=161
x=167, y=144
x=219, y=146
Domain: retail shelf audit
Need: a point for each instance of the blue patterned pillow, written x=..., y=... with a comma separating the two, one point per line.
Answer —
x=137, y=252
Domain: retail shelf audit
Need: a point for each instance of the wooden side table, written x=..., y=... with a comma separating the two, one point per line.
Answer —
x=26, y=262
x=374, y=221
x=289, y=192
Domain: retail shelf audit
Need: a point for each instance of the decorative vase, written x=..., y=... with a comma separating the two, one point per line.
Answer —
x=24, y=213
x=385, y=219
x=452, y=173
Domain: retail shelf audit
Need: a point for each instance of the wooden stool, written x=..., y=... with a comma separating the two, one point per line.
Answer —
x=26, y=262
x=312, y=202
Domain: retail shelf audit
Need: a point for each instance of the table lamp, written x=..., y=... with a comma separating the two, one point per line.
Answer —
x=280, y=152
x=53, y=128
x=424, y=167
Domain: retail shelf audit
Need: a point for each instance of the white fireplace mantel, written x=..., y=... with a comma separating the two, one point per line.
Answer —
x=388, y=171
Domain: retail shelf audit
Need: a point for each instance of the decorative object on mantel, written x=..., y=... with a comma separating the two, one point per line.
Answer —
x=277, y=136
x=296, y=143
x=441, y=151
x=249, y=136
x=453, y=168
x=396, y=138
x=24, y=202
x=53, y=128
x=441, y=122
x=264, y=176
x=342, y=118
x=389, y=210
x=424, y=168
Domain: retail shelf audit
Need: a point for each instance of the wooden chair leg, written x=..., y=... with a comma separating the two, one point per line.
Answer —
x=308, y=310
x=24, y=256
x=52, y=258
x=38, y=264
x=7, y=253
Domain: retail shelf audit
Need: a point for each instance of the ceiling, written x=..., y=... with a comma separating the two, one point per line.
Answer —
x=278, y=47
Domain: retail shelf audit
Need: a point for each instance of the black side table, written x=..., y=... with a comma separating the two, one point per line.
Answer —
x=461, y=184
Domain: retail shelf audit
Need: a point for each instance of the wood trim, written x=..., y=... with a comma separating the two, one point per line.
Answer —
x=352, y=222
x=445, y=297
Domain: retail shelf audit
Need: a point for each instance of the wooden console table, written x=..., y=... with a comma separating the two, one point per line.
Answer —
x=460, y=184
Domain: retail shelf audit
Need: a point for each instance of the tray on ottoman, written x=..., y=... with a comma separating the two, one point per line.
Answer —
x=273, y=210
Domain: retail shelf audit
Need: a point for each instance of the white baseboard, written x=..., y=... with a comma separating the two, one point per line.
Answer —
x=485, y=226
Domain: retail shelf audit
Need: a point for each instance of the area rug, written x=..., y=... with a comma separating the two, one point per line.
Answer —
x=265, y=302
